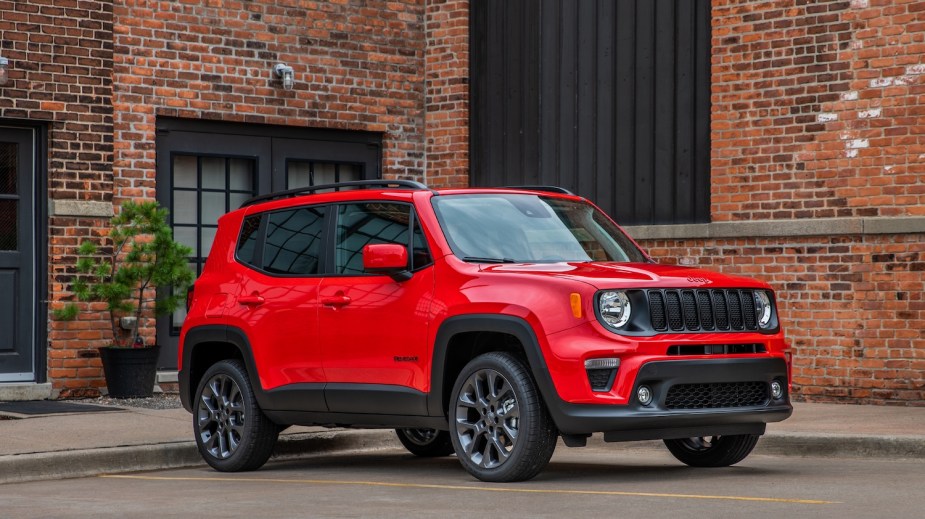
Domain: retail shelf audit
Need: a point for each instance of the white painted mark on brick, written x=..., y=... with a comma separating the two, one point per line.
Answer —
x=850, y=95
x=881, y=82
x=916, y=69
x=826, y=117
x=868, y=114
x=858, y=143
x=851, y=153
x=860, y=4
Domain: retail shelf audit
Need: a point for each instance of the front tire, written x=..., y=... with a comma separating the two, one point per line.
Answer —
x=426, y=443
x=232, y=433
x=712, y=451
x=499, y=425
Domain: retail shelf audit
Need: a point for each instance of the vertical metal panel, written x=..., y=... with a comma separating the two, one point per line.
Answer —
x=610, y=99
x=549, y=92
x=604, y=129
x=624, y=207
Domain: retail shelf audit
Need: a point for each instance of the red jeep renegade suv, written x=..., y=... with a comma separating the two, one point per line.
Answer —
x=485, y=322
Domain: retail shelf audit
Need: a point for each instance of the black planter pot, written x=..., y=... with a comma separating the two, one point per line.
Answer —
x=130, y=371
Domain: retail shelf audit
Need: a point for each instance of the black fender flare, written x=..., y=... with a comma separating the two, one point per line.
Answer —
x=508, y=324
x=216, y=334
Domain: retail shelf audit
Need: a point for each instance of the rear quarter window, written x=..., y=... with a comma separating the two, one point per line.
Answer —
x=247, y=241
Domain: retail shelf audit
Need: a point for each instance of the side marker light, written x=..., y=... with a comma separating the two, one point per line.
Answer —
x=575, y=301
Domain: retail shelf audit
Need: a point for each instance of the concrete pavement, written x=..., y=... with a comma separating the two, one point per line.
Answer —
x=132, y=439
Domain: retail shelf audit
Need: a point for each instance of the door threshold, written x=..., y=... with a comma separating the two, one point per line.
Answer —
x=19, y=391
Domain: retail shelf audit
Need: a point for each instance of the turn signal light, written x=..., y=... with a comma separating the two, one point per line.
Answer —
x=575, y=301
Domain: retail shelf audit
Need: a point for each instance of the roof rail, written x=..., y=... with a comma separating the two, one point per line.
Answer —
x=548, y=189
x=359, y=184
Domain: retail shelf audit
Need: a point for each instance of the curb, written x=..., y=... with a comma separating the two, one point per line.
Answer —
x=842, y=446
x=78, y=463
x=112, y=460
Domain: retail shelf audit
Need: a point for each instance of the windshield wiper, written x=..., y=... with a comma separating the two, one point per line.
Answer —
x=488, y=260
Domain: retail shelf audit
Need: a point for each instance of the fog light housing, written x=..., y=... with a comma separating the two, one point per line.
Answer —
x=644, y=395
x=777, y=390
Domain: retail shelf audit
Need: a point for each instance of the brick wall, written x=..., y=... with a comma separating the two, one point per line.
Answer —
x=818, y=120
x=60, y=74
x=447, y=93
x=816, y=117
x=358, y=66
x=817, y=109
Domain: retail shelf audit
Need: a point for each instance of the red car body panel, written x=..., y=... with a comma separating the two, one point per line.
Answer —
x=373, y=329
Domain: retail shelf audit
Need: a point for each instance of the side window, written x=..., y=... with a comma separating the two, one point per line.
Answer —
x=293, y=241
x=362, y=224
x=247, y=242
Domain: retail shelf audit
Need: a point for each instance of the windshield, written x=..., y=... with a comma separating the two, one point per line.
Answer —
x=509, y=228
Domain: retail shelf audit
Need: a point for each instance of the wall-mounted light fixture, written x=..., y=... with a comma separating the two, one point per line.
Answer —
x=286, y=74
x=4, y=71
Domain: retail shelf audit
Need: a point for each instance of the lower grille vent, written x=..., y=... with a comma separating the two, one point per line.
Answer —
x=717, y=395
x=601, y=379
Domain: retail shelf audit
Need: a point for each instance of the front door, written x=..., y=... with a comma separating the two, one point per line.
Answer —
x=17, y=254
x=372, y=328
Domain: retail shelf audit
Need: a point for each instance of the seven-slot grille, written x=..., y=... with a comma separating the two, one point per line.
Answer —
x=717, y=395
x=702, y=310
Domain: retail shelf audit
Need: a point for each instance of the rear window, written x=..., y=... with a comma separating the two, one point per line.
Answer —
x=293, y=241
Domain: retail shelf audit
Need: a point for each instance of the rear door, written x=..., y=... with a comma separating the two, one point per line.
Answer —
x=277, y=299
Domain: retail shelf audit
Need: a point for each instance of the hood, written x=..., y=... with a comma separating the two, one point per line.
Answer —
x=602, y=275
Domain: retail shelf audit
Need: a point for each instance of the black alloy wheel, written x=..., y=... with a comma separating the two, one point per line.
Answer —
x=498, y=423
x=232, y=433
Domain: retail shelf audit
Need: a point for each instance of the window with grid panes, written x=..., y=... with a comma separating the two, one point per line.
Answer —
x=204, y=188
x=306, y=173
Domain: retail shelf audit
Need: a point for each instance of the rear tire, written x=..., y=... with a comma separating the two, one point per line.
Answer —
x=712, y=451
x=499, y=425
x=232, y=433
x=426, y=443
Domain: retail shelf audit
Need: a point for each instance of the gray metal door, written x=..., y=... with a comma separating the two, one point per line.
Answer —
x=17, y=253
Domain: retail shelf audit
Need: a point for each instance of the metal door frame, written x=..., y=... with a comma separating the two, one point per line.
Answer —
x=36, y=228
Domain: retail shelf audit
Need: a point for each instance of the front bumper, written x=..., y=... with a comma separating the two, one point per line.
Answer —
x=634, y=421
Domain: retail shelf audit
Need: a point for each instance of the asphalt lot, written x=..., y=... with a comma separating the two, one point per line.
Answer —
x=608, y=481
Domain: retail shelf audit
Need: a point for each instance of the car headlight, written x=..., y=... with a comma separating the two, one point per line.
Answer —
x=762, y=308
x=615, y=308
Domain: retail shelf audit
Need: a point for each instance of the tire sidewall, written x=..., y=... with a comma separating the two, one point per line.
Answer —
x=238, y=458
x=440, y=445
x=530, y=425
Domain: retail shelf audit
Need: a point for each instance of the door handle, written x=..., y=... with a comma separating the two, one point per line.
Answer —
x=336, y=301
x=252, y=300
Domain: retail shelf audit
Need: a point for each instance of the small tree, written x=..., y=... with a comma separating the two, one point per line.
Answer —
x=144, y=257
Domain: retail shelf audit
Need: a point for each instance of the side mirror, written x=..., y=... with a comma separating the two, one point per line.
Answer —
x=387, y=258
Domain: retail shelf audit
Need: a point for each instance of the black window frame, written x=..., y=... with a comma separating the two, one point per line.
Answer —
x=328, y=239
x=200, y=254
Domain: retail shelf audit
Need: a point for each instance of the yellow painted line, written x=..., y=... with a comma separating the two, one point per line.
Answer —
x=478, y=489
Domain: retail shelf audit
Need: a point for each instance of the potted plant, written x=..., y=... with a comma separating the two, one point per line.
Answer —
x=141, y=268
